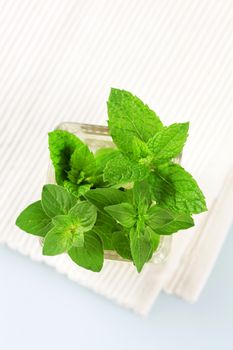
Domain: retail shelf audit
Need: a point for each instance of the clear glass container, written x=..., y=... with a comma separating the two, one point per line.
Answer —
x=97, y=136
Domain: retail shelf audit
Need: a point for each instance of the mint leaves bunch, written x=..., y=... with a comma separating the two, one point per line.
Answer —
x=146, y=151
x=65, y=224
x=120, y=199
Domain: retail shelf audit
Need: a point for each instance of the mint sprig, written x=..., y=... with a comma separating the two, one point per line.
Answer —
x=121, y=199
x=143, y=222
x=74, y=163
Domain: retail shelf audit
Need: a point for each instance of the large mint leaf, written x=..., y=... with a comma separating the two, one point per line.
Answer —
x=165, y=222
x=168, y=143
x=129, y=117
x=141, y=247
x=121, y=244
x=56, y=200
x=91, y=255
x=34, y=220
x=103, y=197
x=62, y=145
x=84, y=214
x=121, y=170
x=175, y=188
x=123, y=213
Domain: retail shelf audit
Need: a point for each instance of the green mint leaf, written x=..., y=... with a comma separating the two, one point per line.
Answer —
x=168, y=143
x=91, y=255
x=68, y=231
x=140, y=149
x=103, y=197
x=62, y=145
x=102, y=156
x=129, y=117
x=175, y=188
x=84, y=213
x=75, y=189
x=121, y=244
x=56, y=200
x=74, y=163
x=57, y=241
x=34, y=220
x=82, y=164
x=78, y=239
x=165, y=222
x=141, y=196
x=123, y=213
x=63, y=221
x=141, y=247
x=121, y=170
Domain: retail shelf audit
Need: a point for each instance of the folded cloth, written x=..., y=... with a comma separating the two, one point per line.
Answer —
x=59, y=60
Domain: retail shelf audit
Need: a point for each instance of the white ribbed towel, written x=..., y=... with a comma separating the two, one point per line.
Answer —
x=58, y=60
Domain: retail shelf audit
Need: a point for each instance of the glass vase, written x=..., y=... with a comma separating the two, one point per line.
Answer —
x=97, y=136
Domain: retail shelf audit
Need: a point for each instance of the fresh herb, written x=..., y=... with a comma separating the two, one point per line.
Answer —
x=122, y=199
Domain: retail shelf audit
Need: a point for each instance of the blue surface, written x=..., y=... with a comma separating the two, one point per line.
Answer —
x=41, y=309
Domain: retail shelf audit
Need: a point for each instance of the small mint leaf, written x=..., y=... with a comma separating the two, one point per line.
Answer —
x=141, y=247
x=82, y=164
x=84, y=213
x=34, y=220
x=56, y=200
x=140, y=149
x=168, y=143
x=121, y=170
x=123, y=213
x=63, y=221
x=141, y=196
x=103, y=197
x=91, y=255
x=67, y=232
x=75, y=189
x=57, y=241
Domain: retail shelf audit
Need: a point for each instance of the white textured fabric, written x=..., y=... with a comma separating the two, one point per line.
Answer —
x=58, y=60
x=197, y=261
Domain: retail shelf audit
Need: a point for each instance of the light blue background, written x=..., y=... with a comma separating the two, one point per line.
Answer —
x=41, y=309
